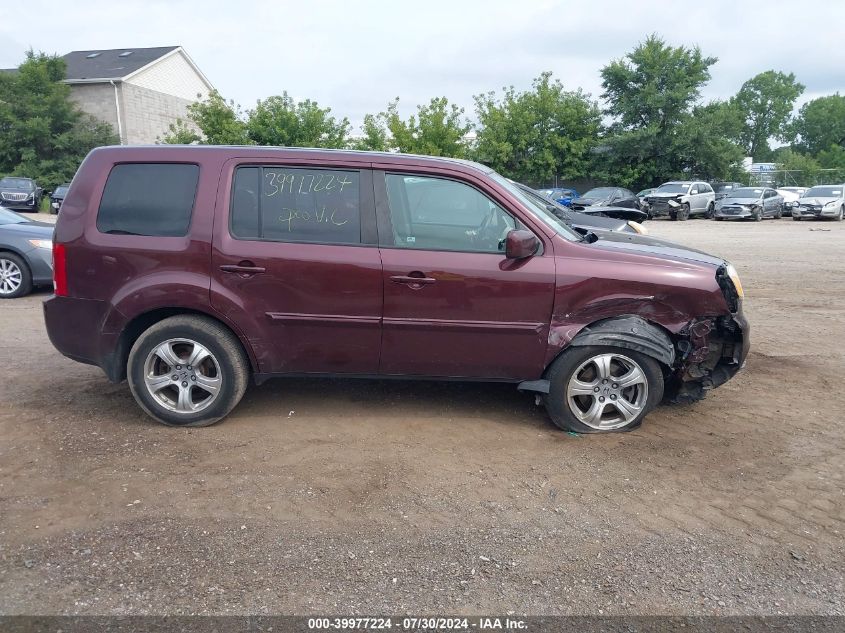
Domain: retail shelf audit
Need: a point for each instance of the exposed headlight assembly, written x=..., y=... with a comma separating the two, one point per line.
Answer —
x=734, y=277
x=639, y=228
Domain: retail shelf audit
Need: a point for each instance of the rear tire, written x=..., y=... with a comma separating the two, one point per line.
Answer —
x=187, y=371
x=795, y=217
x=588, y=368
x=710, y=212
x=779, y=213
x=15, y=276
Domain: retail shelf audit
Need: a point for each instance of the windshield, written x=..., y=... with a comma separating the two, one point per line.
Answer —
x=10, y=217
x=538, y=209
x=673, y=187
x=599, y=192
x=724, y=187
x=16, y=183
x=823, y=192
x=60, y=191
x=644, y=192
x=746, y=192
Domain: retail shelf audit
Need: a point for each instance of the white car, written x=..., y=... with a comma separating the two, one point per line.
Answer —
x=681, y=199
x=821, y=201
x=790, y=198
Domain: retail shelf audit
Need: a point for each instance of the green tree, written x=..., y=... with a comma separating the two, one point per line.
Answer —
x=766, y=102
x=281, y=121
x=43, y=134
x=437, y=129
x=374, y=138
x=820, y=124
x=802, y=170
x=213, y=121
x=704, y=144
x=650, y=94
x=539, y=134
x=832, y=158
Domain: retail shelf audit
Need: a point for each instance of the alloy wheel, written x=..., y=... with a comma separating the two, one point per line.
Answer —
x=11, y=277
x=607, y=391
x=182, y=376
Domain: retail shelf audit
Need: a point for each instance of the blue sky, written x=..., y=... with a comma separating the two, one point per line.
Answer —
x=357, y=56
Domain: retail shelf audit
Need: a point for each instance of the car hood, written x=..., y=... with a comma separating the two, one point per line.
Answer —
x=664, y=196
x=40, y=230
x=727, y=201
x=647, y=245
x=622, y=213
x=822, y=200
x=15, y=190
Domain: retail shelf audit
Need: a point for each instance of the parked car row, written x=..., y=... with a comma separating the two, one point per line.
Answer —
x=24, y=194
x=683, y=199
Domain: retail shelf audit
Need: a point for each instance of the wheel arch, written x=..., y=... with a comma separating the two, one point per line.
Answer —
x=143, y=321
x=628, y=331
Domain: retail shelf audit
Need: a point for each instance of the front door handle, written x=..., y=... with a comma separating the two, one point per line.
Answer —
x=415, y=280
x=245, y=269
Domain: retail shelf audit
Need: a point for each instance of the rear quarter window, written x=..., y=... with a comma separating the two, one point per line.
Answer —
x=152, y=199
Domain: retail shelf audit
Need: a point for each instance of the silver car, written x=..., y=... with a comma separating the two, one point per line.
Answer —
x=822, y=201
x=682, y=199
x=754, y=203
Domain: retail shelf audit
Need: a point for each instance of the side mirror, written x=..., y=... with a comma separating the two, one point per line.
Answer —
x=520, y=244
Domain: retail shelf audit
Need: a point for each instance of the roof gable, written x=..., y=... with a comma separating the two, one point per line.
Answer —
x=109, y=64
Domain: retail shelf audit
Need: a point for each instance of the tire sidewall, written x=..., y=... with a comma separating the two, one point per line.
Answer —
x=26, y=276
x=561, y=370
x=227, y=398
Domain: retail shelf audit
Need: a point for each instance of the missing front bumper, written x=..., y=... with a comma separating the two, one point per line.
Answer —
x=710, y=352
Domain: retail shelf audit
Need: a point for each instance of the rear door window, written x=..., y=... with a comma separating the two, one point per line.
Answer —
x=296, y=204
x=153, y=199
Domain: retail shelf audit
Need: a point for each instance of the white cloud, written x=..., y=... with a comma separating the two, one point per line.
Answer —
x=357, y=56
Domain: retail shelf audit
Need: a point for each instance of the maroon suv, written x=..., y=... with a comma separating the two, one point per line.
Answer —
x=188, y=270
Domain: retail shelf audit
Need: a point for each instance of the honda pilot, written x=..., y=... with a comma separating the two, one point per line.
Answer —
x=191, y=271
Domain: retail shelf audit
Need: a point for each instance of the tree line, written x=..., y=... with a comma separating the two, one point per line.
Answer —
x=650, y=125
x=43, y=134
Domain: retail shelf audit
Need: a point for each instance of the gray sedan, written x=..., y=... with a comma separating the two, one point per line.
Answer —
x=26, y=256
x=754, y=203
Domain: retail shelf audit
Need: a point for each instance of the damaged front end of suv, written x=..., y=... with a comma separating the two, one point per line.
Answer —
x=711, y=350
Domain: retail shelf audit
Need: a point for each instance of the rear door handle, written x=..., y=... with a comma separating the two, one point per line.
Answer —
x=413, y=282
x=243, y=269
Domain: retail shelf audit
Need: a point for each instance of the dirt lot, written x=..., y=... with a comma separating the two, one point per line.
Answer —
x=383, y=497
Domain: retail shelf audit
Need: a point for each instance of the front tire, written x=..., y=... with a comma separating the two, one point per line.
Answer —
x=15, y=276
x=600, y=389
x=187, y=371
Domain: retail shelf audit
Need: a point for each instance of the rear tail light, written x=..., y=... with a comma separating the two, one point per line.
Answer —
x=60, y=270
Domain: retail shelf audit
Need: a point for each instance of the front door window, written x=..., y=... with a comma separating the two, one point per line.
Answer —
x=444, y=215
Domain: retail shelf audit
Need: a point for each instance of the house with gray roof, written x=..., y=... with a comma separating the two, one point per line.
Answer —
x=139, y=91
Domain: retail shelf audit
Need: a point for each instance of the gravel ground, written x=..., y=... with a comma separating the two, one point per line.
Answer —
x=345, y=497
